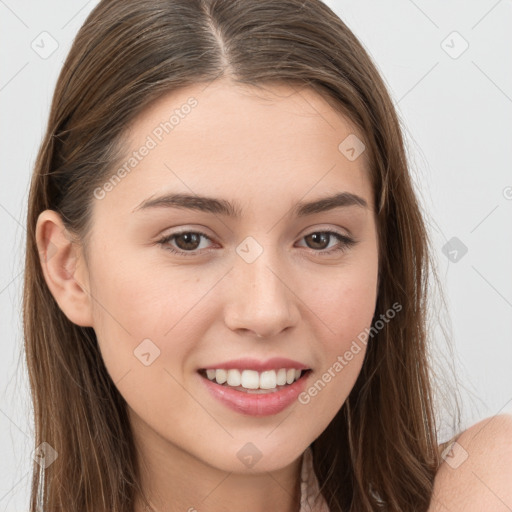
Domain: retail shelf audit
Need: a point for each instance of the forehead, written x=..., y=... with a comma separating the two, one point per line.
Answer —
x=261, y=109
x=220, y=137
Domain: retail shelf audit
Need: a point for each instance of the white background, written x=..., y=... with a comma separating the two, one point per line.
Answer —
x=457, y=116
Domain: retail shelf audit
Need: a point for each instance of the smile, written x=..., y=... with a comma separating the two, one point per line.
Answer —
x=255, y=393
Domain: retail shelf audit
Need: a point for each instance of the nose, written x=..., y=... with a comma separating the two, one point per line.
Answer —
x=262, y=299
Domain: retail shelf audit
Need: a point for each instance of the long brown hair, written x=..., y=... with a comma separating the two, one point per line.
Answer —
x=381, y=449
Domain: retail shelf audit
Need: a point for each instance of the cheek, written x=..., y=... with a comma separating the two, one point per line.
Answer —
x=345, y=303
x=138, y=299
x=345, y=306
x=144, y=336
x=146, y=322
x=136, y=317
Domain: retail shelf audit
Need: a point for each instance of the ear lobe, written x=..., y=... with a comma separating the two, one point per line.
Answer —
x=63, y=268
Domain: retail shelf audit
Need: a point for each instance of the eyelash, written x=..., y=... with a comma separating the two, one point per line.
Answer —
x=346, y=243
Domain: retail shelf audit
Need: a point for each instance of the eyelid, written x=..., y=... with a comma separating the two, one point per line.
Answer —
x=318, y=228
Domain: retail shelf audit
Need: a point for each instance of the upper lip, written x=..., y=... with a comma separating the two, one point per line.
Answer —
x=247, y=363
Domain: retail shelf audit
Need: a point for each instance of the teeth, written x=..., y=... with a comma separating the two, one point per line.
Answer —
x=221, y=376
x=251, y=379
x=234, y=378
x=268, y=379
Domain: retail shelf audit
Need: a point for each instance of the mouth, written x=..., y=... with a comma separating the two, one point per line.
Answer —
x=254, y=393
x=255, y=382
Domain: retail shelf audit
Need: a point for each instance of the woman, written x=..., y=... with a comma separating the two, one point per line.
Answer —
x=227, y=274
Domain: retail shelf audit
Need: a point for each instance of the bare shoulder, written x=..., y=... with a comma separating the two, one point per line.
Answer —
x=476, y=474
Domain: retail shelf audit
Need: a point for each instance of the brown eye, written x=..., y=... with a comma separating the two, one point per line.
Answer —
x=186, y=243
x=190, y=241
x=319, y=239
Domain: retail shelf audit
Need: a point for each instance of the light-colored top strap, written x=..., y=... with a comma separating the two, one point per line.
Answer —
x=310, y=500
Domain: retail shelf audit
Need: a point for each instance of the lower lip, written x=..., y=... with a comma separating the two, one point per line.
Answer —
x=252, y=404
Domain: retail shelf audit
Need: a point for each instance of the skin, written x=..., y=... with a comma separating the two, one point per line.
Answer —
x=266, y=151
x=476, y=475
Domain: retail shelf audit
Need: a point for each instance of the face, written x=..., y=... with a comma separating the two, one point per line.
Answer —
x=181, y=285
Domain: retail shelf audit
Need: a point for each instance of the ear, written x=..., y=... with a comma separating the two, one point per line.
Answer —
x=64, y=269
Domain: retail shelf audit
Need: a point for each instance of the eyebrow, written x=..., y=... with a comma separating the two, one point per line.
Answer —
x=233, y=210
